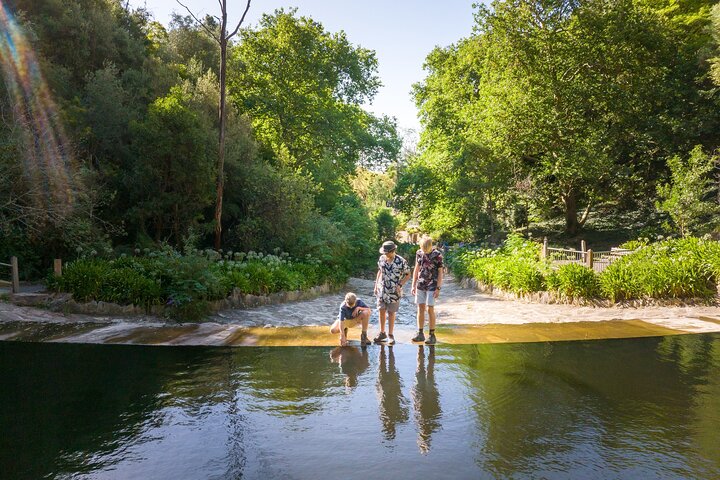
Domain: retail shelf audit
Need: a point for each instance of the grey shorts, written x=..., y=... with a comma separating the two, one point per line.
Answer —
x=425, y=297
x=390, y=307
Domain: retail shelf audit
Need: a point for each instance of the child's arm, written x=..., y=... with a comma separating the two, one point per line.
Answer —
x=414, y=280
x=359, y=310
x=343, y=339
x=377, y=279
x=439, y=283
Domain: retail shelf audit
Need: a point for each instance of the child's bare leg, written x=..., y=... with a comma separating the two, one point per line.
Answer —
x=382, y=319
x=365, y=319
x=431, y=317
x=335, y=328
x=391, y=322
x=421, y=315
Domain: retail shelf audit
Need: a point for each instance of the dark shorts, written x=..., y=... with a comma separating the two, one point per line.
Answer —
x=392, y=307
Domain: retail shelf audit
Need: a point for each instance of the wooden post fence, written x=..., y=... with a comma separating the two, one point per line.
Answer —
x=545, y=248
x=57, y=267
x=15, y=275
x=583, y=246
x=589, y=259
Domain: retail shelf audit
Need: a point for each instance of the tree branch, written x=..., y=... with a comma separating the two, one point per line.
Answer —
x=586, y=213
x=240, y=22
x=210, y=32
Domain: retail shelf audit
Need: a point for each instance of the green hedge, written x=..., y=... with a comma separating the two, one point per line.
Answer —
x=516, y=266
x=575, y=281
x=673, y=268
x=679, y=268
x=187, y=283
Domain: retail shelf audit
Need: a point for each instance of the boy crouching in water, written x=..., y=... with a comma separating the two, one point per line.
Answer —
x=352, y=312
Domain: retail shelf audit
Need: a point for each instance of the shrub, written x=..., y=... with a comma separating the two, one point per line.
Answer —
x=83, y=278
x=575, y=281
x=677, y=268
x=516, y=266
x=386, y=224
x=673, y=268
x=187, y=284
x=97, y=280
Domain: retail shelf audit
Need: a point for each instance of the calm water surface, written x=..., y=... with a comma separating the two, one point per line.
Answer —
x=603, y=409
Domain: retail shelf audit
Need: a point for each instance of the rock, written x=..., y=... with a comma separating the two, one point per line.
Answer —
x=31, y=299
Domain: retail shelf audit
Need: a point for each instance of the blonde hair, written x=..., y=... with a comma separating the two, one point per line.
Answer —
x=426, y=243
x=350, y=299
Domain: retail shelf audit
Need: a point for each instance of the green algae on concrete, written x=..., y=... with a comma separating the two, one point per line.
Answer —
x=705, y=318
x=319, y=336
x=462, y=334
x=153, y=336
x=45, y=331
x=551, y=332
x=284, y=336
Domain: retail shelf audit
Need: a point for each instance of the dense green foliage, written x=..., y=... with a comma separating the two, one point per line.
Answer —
x=674, y=268
x=561, y=108
x=139, y=104
x=574, y=281
x=689, y=199
x=516, y=266
x=186, y=283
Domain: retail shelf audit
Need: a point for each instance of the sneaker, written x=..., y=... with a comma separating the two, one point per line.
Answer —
x=364, y=340
x=420, y=337
x=391, y=340
x=381, y=337
x=431, y=340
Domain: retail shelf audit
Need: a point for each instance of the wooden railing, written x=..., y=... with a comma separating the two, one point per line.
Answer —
x=597, y=261
x=14, y=275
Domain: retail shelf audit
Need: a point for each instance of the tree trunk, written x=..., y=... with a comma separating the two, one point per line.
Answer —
x=222, y=40
x=491, y=216
x=571, y=218
x=221, y=149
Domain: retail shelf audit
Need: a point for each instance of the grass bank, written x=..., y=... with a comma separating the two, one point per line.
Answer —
x=185, y=284
x=687, y=268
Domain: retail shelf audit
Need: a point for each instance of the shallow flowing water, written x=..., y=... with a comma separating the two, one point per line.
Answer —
x=632, y=408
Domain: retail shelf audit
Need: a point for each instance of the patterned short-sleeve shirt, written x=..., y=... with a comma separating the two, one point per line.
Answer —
x=429, y=266
x=391, y=274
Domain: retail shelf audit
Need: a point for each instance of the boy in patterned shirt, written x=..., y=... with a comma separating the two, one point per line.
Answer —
x=426, y=283
x=393, y=272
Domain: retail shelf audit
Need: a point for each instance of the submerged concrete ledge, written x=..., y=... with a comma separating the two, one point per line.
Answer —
x=213, y=334
x=464, y=317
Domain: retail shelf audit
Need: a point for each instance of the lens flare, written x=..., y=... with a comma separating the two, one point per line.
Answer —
x=45, y=152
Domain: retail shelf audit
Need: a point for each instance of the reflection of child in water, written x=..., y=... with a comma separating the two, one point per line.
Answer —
x=426, y=399
x=352, y=362
x=393, y=405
